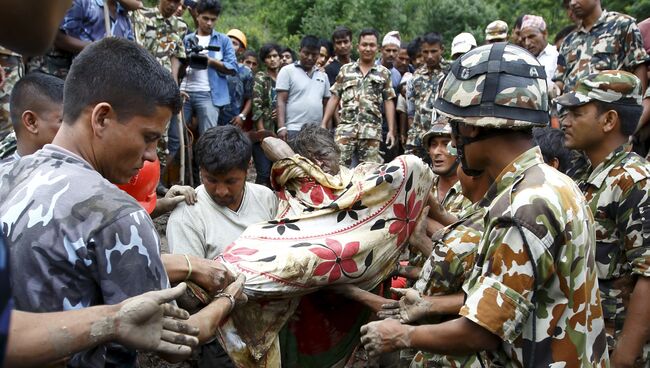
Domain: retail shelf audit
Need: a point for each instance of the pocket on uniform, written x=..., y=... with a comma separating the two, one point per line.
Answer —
x=604, y=53
x=349, y=91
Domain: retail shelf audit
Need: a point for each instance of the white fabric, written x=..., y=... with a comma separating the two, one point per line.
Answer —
x=548, y=58
x=196, y=80
x=206, y=229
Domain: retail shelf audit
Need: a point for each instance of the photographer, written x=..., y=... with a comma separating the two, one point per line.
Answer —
x=206, y=86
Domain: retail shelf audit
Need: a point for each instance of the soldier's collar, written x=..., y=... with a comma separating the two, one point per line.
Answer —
x=598, y=174
x=513, y=173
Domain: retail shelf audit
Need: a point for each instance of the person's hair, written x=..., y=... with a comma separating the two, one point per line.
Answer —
x=341, y=32
x=404, y=45
x=266, y=49
x=327, y=44
x=628, y=115
x=551, y=143
x=313, y=140
x=414, y=48
x=310, y=42
x=369, y=32
x=210, y=6
x=249, y=53
x=223, y=148
x=431, y=38
x=519, y=21
x=33, y=91
x=564, y=32
x=289, y=50
x=121, y=73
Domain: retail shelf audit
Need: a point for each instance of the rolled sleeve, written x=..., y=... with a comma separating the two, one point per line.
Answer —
x=635, y=53
x=229, y=58
x=73, y=21
x=283, y=81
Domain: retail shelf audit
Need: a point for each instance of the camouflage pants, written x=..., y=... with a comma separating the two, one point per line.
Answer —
x=366, y=149
x=13, y=68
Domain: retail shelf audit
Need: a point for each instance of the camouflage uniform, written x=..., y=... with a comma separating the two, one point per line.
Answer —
x=55, y=62
x=454, y=201
x=361, y=110
x=451, y=261
x=614, y=42
x=12, y=64
x=618, y=191
x=421, y=92
x=264, y=100
x=8, y=147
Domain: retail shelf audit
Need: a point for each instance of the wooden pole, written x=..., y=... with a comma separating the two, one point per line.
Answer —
x=107, y=19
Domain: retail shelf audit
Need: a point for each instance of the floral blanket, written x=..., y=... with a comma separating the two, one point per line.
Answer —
x=348, y=228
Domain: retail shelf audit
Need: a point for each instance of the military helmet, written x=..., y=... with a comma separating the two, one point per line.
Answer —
x=440, y=128
x=497, y=86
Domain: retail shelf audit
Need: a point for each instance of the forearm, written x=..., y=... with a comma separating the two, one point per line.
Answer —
x=282, y=108
x=329, y=111
x=69, y=43
x=220, y=66
x=389, y=107
x=370, y=300
x=36, y=339
x=176, y=66
x=163, y=206
x=131, y=4
x=445, y=304
x=246, y=109
x=636, y=330
x=641, y=72
x=458, y=337
x=176, y=266
x=208, y=319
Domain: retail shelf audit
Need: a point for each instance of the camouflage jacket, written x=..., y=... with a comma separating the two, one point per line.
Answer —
x=454, y=202
x=8, y=147
x=264, y=100
x=12, y=64
x=534, y=283
x=362, y=99
x=618, y=194
x=422, y=90
x=163, y=37
x=614, y=42
x=76, y=240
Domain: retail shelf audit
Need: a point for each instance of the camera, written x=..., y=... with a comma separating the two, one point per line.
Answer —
x=195, y=58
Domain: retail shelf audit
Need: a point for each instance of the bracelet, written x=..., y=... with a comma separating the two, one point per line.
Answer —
x=189, y=267
x=281, y=129
x=230, y=297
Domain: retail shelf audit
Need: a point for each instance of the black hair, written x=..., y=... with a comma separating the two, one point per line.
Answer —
x=121, y=73
x=341, y=32
x=223, y=148
x=519, y=21
x=289, y=50
x=404, y=45
x=314, y=142
x=431, y=38
x=31, y=91
x=551, y=143
x=628, y=115
x=210, y=6
x=564, y=32
x=327, y=44
x=310, y=42
x=266, y=49
x=414, y=48
x=369, y=32
x=249, y=53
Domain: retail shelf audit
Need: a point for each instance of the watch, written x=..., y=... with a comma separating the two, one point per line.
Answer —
x=242, y=116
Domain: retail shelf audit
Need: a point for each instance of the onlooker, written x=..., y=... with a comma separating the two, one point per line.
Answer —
x=462, y=43
x=302, y=91
x=534, y=38
x=342, y=40
x=561, y=35
x=390, y=46
x=403, y=61
x=362, y=87
x=326, y=54
x=250, y=60
x=415, y=54
x=240, y=85
x=551, y=143
x=287, y=56
x=497, y=31
x=515, y=36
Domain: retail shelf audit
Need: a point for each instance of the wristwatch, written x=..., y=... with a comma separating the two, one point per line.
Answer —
x=242, y=116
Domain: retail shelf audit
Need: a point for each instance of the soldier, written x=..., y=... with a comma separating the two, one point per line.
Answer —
x=422, y=91
x=12, y=64
x=604, y=110
x=496, y=31
x=532, y=298
x=361, y=87
x=604, y=40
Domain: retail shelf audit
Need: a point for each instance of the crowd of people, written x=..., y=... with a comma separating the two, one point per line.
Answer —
x=525, y=243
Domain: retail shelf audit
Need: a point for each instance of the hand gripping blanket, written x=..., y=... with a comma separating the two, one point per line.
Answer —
x=348, y=228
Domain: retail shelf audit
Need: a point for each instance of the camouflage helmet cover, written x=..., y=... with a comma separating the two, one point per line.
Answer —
x=498, y=86
x=440, y=128
x=611, y=86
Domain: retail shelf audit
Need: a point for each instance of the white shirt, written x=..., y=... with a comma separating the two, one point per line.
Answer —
x=196, y=80
x=548, y=58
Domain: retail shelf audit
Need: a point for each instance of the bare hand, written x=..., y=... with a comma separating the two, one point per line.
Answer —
x=180, y=193
x=149, y=322
x=185, y=96
x=410, y=308
x=276, y=149
x=237, y=121
x=403, y=139
x=385, y=336
x=236, y=289
x=390, y=140
x=274, y=114
x=210, y=275
x=283, y=134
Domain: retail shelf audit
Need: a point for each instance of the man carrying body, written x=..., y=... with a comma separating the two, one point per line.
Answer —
x=362, y=87
x=534, y=36
x=532, y=297
x=604, y=40
x=603, y=112
x=302, y=91
x=422, y=91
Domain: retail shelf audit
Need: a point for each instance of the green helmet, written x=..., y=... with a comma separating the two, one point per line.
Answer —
x=497, y=86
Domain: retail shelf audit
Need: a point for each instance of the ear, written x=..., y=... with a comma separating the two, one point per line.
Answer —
x=554, y=163
x=29, y=120
x=610, y=121
x=101, y=117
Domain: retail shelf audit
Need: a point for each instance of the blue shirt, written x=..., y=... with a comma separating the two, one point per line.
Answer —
x=218, y=81
x=240, y=88
x=85, y=21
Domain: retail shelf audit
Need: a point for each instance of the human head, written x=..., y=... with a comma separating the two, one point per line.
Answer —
x=561, y=35
x=436, y=140
x=390, y=48
x=326, y=52
x=180, y=10
x=168, y=7
x=583, y=8
x=462, y=43
x=318, y=145
x=533, y=34
x=602, y=106
x=402, y=60
x=122, y=117
x=515, y=36
x=36, y=108
x=432, y=49
x=414, y=52
x=207, y=13
x=239, y=42
x=287, y=56
x=551, y=143
x=223, y=154
x=309, y=51
x=367, y=47
x=342, y=40
x=496, y=31
x=270, y=55
x=250, y=60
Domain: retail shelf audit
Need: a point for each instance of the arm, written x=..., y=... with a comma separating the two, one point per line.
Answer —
x=175, y=195
x=370, y=300
x=176, y=67
x=228, y=63
x=131, y=5
x=389, y=111
x=210, y=275
x=641, y=71
x=220, y=66
x=332, y=103
x=282, y=111
x=144, y=322
x=276, y=149
x=413, y=307
x=636, y=330
x=69, y=43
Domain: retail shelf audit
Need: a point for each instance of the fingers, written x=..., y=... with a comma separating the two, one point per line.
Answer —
x=236, y=287
x=399, y=291
x=175, y=312
x=179, y=327
x=167, y=295
x=177, y=350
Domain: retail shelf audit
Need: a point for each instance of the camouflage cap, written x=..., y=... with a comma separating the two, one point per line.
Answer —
x=440, y=128
x=607, y=86
x=497, y=30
